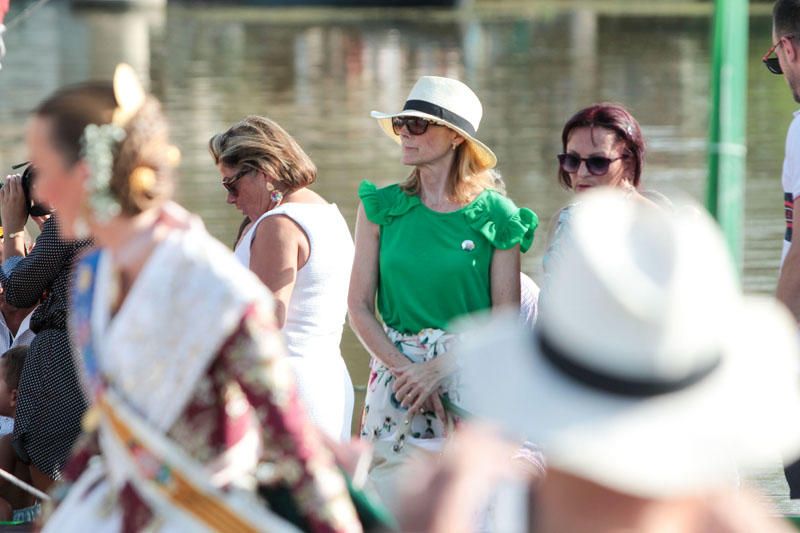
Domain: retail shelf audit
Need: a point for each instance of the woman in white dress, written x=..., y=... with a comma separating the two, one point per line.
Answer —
x=299, y=245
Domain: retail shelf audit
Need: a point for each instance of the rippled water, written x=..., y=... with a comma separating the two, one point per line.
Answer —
x=319, y=73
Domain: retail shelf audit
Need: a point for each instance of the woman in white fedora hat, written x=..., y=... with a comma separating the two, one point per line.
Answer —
x=439, y=245
x=650, y=381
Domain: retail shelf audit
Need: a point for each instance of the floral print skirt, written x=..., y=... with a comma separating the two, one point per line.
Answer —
x=384, y=418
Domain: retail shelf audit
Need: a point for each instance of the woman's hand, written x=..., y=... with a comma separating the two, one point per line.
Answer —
x=13, y=210
x=418, y=383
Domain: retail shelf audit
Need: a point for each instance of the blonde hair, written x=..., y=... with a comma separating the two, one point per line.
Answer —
x=466, y=180
x=260, y=143
x=145, y=146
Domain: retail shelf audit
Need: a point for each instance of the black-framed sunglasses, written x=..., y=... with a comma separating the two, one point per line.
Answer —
x=414, y=125
x=229, y=183
x=596, y=165
x=773, y=64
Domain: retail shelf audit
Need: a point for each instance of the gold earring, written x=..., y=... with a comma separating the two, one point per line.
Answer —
x=142, y=180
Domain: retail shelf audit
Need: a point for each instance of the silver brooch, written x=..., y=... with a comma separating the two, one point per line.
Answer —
x=468, y=245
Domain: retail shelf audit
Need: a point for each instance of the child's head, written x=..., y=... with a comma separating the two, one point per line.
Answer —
x=11, y=364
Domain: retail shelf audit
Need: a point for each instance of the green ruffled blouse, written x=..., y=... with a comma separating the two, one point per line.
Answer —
x=434, y=267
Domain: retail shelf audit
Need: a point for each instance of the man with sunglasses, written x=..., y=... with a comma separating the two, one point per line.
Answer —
x=783, y=57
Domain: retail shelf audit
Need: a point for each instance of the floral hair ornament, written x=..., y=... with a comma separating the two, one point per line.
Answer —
x=100, y=142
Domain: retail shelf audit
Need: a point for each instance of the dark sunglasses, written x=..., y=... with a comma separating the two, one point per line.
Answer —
x=772, y=63
x=228, y=183
x=414, y=125
x=596, y=165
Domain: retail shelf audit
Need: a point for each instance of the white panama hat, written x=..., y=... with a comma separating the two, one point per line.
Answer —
x=648, y=372
x=445, y=101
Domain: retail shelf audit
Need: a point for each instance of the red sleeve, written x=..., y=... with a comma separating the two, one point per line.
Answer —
x=255, y=358
x=3, y=9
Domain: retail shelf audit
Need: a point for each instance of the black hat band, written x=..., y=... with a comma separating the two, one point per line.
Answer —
x=440, y=112
x=621, y=386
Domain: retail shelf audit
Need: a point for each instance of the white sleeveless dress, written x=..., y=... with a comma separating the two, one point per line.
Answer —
x=316, y=313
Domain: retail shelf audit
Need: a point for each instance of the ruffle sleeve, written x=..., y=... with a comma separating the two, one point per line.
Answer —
x=385, y=204
x=501, y=222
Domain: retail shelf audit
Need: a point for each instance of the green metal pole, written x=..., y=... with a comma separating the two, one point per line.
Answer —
x=728, y=121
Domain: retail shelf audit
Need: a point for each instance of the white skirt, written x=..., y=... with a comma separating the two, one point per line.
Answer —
x=325, y=387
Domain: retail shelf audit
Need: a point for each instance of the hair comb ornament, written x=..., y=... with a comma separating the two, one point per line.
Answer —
x=128, y=93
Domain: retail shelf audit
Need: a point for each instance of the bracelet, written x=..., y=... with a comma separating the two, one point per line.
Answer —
x=15, y=234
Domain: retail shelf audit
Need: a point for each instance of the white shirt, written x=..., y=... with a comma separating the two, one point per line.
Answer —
x=316, y=312
x=23, y=337
x=790, y=179
x=529, y=300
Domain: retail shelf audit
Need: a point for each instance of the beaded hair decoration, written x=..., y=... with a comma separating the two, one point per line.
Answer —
x=99, y=144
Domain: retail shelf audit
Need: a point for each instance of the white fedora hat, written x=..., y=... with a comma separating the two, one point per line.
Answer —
x=648, y=373
x=448, y=102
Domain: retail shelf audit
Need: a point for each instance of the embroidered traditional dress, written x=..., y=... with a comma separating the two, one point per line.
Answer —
x=193, y=390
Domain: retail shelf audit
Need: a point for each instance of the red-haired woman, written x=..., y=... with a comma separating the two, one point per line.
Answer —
x=602, y=146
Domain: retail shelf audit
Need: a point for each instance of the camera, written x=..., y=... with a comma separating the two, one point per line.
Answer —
x=28, y=175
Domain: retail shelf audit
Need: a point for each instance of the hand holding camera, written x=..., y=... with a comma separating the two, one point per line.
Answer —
x=13, y=207
x=16, y=200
